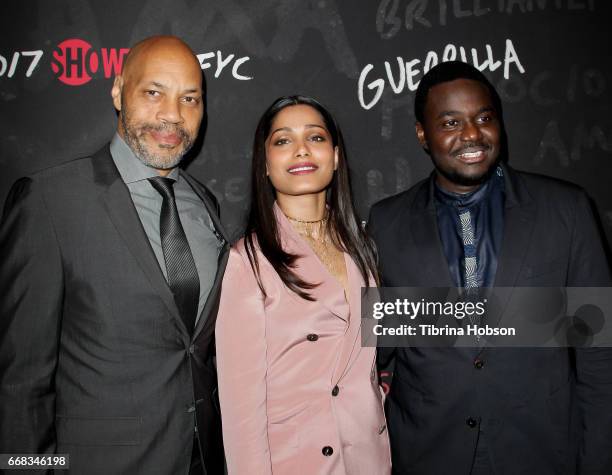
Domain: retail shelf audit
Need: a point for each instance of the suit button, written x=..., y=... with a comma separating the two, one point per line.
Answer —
x=327, y=451
x=335, y=391
x=191, y=349
x=471, y=422
x=478, y=364
x=312, y=337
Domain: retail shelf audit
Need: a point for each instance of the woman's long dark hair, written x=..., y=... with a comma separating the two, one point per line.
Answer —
x=343, y=224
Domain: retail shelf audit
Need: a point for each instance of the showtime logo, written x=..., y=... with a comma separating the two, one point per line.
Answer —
x=75, y=61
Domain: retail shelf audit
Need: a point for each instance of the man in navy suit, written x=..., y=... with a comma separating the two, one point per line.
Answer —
x=476, y=222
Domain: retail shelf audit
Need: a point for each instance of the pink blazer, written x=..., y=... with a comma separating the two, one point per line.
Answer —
x=299, y=395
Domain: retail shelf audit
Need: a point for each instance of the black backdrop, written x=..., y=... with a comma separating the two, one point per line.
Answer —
x=550, y=59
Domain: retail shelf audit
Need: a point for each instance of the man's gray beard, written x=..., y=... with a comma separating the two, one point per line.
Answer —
x=150, y=159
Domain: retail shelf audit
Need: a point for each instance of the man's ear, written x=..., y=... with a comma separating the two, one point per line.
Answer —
x=420, y=133
x=116, y=92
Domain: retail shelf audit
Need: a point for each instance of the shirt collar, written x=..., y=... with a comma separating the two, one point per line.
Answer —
x=467, y=200
x=461, y=200
x=130, y=167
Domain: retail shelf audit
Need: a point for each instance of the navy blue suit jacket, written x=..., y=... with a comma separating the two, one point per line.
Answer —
x=544, y=411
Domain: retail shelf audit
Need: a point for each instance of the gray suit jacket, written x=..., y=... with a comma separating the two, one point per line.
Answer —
x=544, y=411
x=95, y=360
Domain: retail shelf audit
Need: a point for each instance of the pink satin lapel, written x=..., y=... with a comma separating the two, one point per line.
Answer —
x=351, y=345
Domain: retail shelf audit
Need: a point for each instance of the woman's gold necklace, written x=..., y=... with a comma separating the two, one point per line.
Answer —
x=317, y=236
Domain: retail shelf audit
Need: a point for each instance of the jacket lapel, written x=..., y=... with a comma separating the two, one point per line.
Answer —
x=518, y=228
x=351, y=343
x=211, y=207
x=208, y=316
x=204, y=322
x=421, y=223
x=118, y=203
x=519, y=223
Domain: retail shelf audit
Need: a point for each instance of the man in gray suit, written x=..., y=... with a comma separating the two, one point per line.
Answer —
x=110, y=272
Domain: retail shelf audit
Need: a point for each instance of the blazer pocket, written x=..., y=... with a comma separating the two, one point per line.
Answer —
x=285, y=434
x=285, y=453
x=284, y=429
x=100, y=431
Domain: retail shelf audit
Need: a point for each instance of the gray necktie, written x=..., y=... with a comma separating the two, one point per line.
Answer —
x=180, y=266
x=470, y=264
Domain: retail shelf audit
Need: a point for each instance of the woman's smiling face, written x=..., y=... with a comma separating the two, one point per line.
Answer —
x=300, y=155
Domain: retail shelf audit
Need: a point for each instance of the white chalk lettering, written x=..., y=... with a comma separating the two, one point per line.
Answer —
x=399, y=86
x=450, y=53
x=222, y=62
x=412, y=73
x=11, y=68
x=378, y=84
x=431, y=60
x=511, y=57
x=203, y=57
x=13, y=65
x=239, y=62
x=407, y=75
x=488, y=63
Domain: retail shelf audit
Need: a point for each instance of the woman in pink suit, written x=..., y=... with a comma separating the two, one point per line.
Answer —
x=298, y=393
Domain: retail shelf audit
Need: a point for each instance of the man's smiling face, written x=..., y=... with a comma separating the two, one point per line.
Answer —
x=461, y=131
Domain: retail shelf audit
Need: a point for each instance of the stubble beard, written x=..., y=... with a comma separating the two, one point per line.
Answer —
x=134, y=137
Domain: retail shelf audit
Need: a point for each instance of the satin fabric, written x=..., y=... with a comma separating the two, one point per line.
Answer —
x=279, y=359
x=486, y=206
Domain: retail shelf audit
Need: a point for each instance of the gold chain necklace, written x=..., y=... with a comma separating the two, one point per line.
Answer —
x=312, y=230
x=316, y=234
